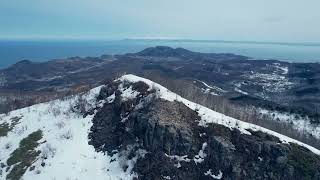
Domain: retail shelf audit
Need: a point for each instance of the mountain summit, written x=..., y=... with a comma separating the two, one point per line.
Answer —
x=133, y=128
x=165, y=51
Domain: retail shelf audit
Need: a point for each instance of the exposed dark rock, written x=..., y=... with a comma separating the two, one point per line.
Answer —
x=180, y=149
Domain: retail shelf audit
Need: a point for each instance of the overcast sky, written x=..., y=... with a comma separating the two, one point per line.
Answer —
x=252, y=20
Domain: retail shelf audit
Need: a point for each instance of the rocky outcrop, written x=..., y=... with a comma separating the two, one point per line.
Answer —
x=178, y=148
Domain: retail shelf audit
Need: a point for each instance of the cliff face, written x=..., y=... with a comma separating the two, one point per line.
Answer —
x=138, y=129
x=165, y=139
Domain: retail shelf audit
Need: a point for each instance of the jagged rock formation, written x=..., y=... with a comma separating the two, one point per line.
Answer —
x=167, y=140
x=133, y=128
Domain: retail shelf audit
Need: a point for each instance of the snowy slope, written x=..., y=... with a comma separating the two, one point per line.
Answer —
x=65, y=153
x=64, y=142
x=299, y=123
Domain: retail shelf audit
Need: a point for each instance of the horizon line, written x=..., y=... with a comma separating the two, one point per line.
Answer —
x=164, y=39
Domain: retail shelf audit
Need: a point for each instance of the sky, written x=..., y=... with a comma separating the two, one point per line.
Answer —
x=236, y=20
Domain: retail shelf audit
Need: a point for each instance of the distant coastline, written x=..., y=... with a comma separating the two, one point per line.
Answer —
x=12, y=51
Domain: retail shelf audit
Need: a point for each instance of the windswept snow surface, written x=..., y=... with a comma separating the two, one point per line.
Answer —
x=64, y=146
x=209, y=116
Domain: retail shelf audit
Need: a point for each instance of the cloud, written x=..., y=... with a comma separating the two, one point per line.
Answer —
x=270, y=20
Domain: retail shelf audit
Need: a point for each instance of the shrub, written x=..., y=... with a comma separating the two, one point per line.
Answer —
x=67, y=135
x=24, y=155
x=48, y=151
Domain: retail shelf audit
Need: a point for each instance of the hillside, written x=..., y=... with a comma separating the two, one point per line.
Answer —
x=133, y=128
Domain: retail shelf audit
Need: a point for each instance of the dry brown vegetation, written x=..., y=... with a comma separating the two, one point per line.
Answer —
x=12, y=100
x=247, y=113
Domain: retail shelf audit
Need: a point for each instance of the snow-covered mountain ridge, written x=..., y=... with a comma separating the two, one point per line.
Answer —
x=210, y=116
x=117, y=119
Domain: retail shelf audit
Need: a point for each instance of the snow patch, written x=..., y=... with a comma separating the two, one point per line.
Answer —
x=127, y=93
x=240, y=91
x=178, y=159
x=166, y=177
x=111, y=98
x=284, y=69
x=214, y=88
x=199, y=158
x=209, y=173
x=302, y=124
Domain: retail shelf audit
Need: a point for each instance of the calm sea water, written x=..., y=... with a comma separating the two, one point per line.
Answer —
x=14, y=51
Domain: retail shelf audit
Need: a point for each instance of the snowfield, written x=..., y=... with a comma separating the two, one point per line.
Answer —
x=65, y=152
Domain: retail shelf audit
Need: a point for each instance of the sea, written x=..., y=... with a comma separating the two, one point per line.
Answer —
x=12, y=51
